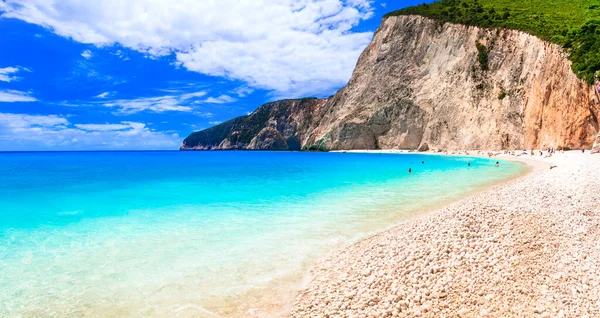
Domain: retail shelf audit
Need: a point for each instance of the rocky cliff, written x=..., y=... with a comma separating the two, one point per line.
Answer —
x=422, y=84
x=280, y=125
x=596, y=147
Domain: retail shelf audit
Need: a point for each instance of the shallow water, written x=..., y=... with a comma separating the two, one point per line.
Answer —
x=196, y=233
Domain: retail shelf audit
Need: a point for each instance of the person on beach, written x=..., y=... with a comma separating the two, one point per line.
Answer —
x=497, y=164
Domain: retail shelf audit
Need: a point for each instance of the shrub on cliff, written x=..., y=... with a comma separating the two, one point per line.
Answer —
x=574, y=24
x=502, y=94
x=584, y=45
x=482, y=56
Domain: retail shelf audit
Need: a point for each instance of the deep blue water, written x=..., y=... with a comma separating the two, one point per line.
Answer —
x=158, y=233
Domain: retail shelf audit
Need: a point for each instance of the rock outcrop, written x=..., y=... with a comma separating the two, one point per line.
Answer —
x=280, y=125
x=423, y=84
x=596, y=147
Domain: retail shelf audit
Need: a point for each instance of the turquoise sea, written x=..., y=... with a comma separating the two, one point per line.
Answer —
x=199, y=233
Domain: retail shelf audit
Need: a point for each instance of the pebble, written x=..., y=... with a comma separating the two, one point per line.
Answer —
x=522, y=247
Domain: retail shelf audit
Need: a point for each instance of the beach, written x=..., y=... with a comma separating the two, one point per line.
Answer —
x=525, y=248
x=128, y=234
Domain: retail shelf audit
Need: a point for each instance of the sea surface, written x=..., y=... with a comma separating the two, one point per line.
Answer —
x=200, y=233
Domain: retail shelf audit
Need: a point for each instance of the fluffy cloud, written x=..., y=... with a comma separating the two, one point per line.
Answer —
x=294, y=47
x=23, y=131
x=12, y=96
x=6, y=73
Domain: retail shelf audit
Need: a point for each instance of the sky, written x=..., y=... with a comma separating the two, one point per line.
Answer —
x=144, y=74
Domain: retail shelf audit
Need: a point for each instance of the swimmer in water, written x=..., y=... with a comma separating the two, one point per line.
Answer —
x=469, y=164
x=422, y=162
x=409, y=170
x=497, y=164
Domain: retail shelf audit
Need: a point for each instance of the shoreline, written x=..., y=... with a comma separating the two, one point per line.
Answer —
x=532, y=166
x=407, y=216
x=328, y=278
x=535, y=163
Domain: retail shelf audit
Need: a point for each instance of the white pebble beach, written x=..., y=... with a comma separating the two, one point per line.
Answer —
x=526, y=248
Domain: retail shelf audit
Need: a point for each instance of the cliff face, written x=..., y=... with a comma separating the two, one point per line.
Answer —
x=422, y=84
x=280, y=125
x=596, y=147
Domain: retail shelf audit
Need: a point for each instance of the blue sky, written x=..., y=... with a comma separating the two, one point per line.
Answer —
x=143, y=74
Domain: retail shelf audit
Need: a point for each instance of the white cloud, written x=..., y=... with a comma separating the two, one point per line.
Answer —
x=182, y=102
x=243, y=91
x=23, y=131
x=204, y=114
x=121, y=55
x=6, y=73
x=22, y=121
x=223, y=99
x=153, y=104
x=12, y=96
x=294, y=47
x=192, y=95
x=87, y=54
x=158, y=104
x=103, y=127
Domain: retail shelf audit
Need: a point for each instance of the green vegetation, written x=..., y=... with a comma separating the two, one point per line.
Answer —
x=502, y=94
x=574, y=24
x=483, y=56
x=319, y=147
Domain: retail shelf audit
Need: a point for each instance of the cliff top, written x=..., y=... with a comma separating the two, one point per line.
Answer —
x=573, y=24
